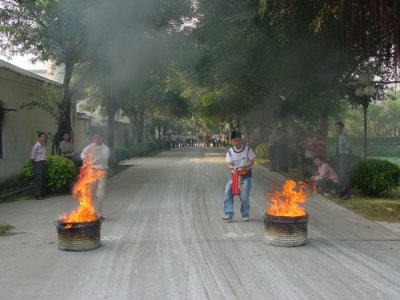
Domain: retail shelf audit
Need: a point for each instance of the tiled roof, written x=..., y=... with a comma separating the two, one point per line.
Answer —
x=7, y=66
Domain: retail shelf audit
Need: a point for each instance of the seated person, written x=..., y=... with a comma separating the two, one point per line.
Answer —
x=325, y=178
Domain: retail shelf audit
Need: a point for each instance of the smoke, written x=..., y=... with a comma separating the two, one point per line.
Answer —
x=127, y=40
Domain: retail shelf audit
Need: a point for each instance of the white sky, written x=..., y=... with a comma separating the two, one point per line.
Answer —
x=24, y=62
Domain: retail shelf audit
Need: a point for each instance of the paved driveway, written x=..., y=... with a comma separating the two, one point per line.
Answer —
x=163, y=238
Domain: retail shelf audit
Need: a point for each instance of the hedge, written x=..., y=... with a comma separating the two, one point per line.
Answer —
x=60, y=172
x=375, y=176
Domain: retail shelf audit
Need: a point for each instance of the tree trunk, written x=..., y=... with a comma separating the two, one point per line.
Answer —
x=64, y=120
x=111, y=112
x=323, y=118
x=141, y=125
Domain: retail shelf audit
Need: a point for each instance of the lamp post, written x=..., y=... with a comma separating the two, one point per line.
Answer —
x=365, y=91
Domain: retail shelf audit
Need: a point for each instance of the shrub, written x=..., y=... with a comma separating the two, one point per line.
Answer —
x=60, y=172
x=262, y=150
x=375, y=176
x=145, y=148
x=333, y=161
x=117, y=154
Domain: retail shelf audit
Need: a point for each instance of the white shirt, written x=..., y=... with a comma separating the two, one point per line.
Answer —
x=97, y=156
x=240, y=157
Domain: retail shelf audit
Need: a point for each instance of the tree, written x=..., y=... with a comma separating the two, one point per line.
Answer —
x=127, y=50
x=51, y=30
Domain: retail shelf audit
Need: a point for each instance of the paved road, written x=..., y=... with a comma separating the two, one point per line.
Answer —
x=163, y=238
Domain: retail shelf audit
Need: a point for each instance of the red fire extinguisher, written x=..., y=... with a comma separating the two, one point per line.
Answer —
x=235, y=183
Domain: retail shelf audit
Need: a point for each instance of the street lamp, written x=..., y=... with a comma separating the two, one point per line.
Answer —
x=365, y=91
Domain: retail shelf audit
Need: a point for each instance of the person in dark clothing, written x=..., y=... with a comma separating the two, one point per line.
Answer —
x=39, y=162
x=283, y=150
x=273, y=150
x=343, y=152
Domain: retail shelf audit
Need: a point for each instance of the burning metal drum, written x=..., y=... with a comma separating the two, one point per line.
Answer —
x=285, y=231
x=78, y=236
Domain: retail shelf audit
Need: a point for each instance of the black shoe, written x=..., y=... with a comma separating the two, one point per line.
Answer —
x=346, y=197
x=39, y=198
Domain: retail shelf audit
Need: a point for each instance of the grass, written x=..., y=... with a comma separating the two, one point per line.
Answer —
x=26, y=195
x=116, y=170
x=5, y=228
x=382, y=208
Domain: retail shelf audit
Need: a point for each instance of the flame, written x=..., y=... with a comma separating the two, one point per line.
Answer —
x=83, y=193
x=285, y=202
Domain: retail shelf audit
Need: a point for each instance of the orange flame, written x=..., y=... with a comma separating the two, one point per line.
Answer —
x=285, y=202
x=83, y=193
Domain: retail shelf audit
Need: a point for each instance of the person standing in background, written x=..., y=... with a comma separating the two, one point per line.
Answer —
x=283, y=149
x=343, y=152
x=66, y=146
x=39, y=162
x=273, y=150
x=309, y=152
x=96, y=156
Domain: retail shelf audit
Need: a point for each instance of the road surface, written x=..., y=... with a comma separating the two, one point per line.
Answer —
x=163, y=238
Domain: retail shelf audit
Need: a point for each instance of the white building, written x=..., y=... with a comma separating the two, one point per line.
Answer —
x=19, y=127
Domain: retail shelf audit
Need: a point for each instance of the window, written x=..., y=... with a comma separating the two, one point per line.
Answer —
x=1, y=130
x=3, y=110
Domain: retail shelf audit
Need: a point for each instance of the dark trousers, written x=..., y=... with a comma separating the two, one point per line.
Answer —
x=39, y=173
x=326, y=185
x=282, y=154
x=273, y=157
x=344, y=176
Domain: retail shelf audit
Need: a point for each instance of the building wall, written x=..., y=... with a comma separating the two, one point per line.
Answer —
x=82, y=128
x=123, y=136
x=20, y=127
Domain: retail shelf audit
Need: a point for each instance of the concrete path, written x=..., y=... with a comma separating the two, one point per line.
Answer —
x=163, y=238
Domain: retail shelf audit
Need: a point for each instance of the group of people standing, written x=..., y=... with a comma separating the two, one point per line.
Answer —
x=177, y=140
x=95, y=155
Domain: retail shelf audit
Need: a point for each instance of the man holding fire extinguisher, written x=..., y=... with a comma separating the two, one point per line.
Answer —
x=240, y=158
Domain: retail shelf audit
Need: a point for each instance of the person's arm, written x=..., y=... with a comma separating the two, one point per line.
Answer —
x=323, y=172
x=33, y=153
x=71, y=149
x=249, y=164
x=232, y=167
x=107, y=155
x=84, y=152
x=62, y=148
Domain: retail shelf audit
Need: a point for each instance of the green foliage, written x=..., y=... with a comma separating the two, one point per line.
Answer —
x=48, y=102
x=332, y=160
x=118, y=154
x=262, y=150
x=60, y=171
x=382, y=119
x=144, y=148
x=5, y=228
x=375, y=176
x=27, y=172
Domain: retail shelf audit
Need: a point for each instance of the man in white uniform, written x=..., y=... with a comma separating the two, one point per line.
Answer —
x=96, y=156
x=240, y=158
